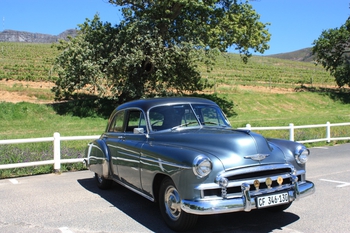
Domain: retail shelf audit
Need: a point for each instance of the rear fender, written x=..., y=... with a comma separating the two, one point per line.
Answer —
x=98, y=158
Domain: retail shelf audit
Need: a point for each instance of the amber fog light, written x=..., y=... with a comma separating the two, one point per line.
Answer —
x=280, y=180
x=256, y=184
x=268, y=182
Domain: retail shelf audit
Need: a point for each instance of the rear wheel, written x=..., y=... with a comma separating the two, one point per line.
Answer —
x=170, y=208
x=102, y=182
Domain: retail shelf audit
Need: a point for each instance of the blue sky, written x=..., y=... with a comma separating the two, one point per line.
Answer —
x=295, y=24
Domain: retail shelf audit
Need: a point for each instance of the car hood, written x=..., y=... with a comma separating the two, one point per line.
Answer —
x=234, y=148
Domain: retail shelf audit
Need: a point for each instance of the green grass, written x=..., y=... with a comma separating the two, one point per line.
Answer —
x=27, y=120
x=265, y=109
x=266, y=92
x=299, y=108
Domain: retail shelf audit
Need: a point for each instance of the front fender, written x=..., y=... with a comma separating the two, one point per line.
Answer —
x=288, y=148
x=98, y=158
x=175, y=162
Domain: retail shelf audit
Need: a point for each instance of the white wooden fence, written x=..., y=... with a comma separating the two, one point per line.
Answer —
x=292, y=127
x=56, y=161
x=56, y=139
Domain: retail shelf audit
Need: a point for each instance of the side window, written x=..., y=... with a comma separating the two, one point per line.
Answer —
x=117, y=123
x=136, y=119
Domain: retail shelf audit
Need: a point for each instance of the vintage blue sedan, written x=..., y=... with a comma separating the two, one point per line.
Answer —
x=183, y=154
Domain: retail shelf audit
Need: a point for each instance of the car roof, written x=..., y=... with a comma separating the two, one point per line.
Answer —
x=145, y=104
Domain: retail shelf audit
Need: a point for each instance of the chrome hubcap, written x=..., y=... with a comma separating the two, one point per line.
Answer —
x=172, y=203
x=99, y=178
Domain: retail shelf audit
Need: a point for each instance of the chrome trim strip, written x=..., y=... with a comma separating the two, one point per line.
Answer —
x=134, y=190
x=123, y=150
x=207, y=207
x=88, y=153
x=254, y=193
x=159, y=161
x=142, y=157
x=300, y=172
x=254, y=169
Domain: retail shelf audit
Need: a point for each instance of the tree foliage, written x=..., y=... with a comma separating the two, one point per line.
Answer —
x=124, y=63
x=208, y=24
x=155, y=50
x=332, y=50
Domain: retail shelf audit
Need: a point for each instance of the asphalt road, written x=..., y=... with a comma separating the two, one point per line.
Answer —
x=71, y=203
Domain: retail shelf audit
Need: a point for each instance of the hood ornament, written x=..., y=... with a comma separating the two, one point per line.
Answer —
x=257, y=157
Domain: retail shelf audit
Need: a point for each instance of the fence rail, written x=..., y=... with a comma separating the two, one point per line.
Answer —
x=56, y=161
x=292, y=127
x=56, y=139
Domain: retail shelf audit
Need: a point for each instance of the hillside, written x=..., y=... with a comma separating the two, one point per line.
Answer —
x=32, y=62
x=266, y=91
x=299, y=55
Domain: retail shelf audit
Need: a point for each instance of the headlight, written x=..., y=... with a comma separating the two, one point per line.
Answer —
x=301, y=155
x=202, y=166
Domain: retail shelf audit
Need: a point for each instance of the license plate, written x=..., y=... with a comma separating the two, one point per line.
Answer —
x=271, y=200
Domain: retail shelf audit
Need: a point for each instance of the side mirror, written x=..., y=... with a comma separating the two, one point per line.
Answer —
x=139, y=130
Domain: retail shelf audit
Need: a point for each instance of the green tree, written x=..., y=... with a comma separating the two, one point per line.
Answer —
x=215, y=24
x=155, y=50
x=332, y=51
x=83, y=64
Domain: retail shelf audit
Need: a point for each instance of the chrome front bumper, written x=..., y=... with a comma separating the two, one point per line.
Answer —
x=244, y=203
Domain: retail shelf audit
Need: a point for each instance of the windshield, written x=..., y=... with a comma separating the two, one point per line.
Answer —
x=186, y=115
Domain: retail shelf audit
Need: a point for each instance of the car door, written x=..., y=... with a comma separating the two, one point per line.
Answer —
x=114, y=133
x=125, y=147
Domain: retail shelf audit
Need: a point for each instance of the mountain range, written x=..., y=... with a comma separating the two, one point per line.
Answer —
x=29, y=37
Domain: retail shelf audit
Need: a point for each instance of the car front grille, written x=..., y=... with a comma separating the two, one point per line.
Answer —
x=282, y=172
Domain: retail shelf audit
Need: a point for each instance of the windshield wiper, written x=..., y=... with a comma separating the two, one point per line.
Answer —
x=185, y=124
x=213, y=123
x=209, y=123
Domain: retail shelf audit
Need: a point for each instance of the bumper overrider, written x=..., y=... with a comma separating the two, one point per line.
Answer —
x=246, y=202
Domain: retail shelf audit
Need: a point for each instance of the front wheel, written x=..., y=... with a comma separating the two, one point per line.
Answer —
x=170, y=208
x=102, y=182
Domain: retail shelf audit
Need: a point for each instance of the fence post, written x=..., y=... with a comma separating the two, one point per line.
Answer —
x=328, y=131
x=57, y=152
x=291, y=132
x=248, y=126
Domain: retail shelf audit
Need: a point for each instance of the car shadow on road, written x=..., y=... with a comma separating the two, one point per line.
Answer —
x=147, y=214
